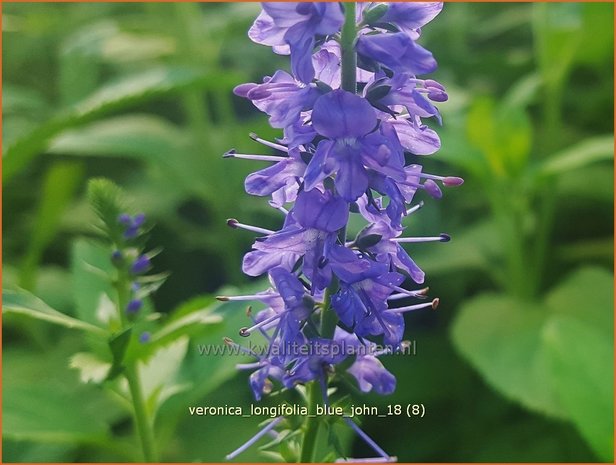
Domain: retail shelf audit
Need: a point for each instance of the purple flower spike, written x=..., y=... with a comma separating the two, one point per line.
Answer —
x=342, y=157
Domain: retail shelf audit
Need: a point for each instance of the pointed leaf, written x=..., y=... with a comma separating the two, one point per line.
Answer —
x=23, y=303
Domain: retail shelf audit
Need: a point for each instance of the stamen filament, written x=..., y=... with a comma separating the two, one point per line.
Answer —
x=245, y=332
x=236, y=346
x=368, y=440
x=267, y=143
x=414, y=208
x=248, y=366
x=254, y=439
x=410, y=308
x=231, y=298
x=398, y=296
x=278, y=207
x=368, y=460
x=246, y=156
x=440, y=238
x=233, y=223
x=446, y=180
x=404, y=293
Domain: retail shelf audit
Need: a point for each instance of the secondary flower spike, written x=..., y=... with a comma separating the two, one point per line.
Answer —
x=350, y=148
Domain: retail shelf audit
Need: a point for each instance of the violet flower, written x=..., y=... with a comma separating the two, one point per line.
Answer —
x=281, y=97
x=409, y=17
x=292, y=27
x=398, y=52
x=353, y=146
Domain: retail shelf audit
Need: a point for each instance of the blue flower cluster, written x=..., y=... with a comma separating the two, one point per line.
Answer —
x=343, y=152
x=129, y=259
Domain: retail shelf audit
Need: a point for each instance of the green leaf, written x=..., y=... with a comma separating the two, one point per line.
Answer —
x=90, y=288
x=141, y=136
x=574, y=184
x=188, y=324
x=597, y=42
x=587, y=295
x=470, y=249
x=34, y=412
x=501, y=337
x=555, y=356
x=23, y=303
x=118, y=95
x=159, y=374
x=108, y=201
x=59, y=187
x=581, y=361
x=592, y=249
x=44, y=402
x=557, y=28
x=503, y=133
x=105, y=41
x=91, y=369
x=118, y=345
x=589, y=151
x=523, y=92
x=209, y=372
x=32, y=452
x=147, y=138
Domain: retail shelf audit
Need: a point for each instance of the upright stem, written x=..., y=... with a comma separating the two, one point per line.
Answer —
x=143, y=422
x=347, y=47
x=329, y=318
x=311, y=427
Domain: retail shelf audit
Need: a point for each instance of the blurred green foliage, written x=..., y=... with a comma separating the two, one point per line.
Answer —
x=517, y=364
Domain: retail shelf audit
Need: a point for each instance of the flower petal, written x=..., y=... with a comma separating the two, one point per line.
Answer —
x=411, y=15
x=340, y=114
x=398, y=52
x=322, y=211
x=372, y=375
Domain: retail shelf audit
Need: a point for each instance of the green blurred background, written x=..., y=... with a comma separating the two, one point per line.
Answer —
x=517, y=363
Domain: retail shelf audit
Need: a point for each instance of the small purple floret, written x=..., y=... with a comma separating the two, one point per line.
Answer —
x=140, y=265
x=134, y=306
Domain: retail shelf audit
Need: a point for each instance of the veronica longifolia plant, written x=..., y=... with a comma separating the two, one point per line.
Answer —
x=351, y=113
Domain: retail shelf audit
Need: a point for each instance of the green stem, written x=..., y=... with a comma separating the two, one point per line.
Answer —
x=547, y=195
x=143, y=422
x=193, y=101
x=311, y=427
x=329, y=318
x=347, y=47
